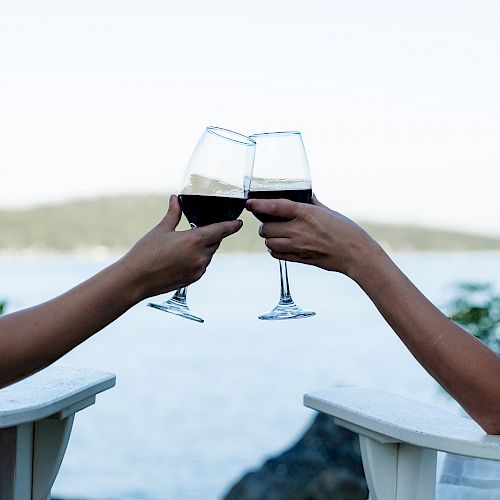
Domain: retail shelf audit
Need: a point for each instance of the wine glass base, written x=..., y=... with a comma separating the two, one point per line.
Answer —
x=178, y=308
x=287, y=311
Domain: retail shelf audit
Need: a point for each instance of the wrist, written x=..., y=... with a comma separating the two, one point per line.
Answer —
x=367, y=262
x=131, y=281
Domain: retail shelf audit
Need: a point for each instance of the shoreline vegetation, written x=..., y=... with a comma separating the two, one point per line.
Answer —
x=107, y=225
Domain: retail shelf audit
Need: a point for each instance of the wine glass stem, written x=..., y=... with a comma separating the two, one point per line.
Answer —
x=285, y=297
x=180, y=295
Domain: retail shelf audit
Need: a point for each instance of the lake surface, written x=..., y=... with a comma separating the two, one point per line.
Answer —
x=196, y=406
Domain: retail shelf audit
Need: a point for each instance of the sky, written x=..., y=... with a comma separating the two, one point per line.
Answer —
x=398, y=101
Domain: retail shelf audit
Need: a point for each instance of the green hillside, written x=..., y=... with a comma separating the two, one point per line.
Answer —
x=409, y=237
x=116, y=222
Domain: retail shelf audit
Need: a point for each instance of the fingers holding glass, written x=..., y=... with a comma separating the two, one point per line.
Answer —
x=281, y=171
x=215, y=190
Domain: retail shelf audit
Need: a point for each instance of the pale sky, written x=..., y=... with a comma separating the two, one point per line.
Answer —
x=398, y=101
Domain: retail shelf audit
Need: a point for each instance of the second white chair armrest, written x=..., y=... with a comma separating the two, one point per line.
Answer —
x=396, y=419
x=399, y=437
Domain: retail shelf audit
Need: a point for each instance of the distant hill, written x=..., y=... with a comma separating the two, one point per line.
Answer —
x=116, y=222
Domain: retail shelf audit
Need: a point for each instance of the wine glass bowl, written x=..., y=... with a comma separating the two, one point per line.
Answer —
x=215, y=189
x=281, y=170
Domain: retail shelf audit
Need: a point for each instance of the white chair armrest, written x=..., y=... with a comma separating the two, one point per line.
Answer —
x=56, y=390
x=36, y=418
x=388, y=418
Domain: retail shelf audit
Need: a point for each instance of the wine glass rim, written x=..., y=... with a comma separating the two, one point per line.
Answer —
x=285, y=132
x=231, y=135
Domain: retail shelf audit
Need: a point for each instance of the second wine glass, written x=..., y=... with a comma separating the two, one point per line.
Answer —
x=215, y=189
x=281, y=170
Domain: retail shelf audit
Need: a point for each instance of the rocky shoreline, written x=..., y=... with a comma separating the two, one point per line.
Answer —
x=324, y=464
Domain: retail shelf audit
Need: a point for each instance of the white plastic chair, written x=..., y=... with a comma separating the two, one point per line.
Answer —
x=36, y=417
x=399, y=438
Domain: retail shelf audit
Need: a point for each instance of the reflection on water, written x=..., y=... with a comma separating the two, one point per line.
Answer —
x=196, y=405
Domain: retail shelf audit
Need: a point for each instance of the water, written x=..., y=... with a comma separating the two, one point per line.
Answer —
x=197, y=405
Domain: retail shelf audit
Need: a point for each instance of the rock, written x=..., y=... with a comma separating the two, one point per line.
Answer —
x=325, y=464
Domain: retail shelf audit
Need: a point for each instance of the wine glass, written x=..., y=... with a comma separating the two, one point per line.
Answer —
x=281, y=170
x=215, y=188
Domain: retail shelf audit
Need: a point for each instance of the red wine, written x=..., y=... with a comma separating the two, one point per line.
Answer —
x=298, y=195
x=203, y=210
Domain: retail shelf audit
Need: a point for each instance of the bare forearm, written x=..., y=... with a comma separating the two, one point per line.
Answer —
x=161, y=261
x=324, y=238
x=464, y=366
x=33, y=338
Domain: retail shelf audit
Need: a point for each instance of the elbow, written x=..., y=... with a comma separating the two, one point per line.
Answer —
x=5, y=383
x=491, y=428
x=6, y=380
x=490, y=424
x=486, y=412
x=9, y=377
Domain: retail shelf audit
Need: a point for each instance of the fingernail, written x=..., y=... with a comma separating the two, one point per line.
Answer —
x=241, y=222
x=171, y=201
x=249, y=203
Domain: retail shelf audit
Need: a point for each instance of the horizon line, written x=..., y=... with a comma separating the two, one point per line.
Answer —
x=362, y=219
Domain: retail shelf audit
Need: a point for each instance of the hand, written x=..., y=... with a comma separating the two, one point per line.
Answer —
x=165, y=259
x=313, y=234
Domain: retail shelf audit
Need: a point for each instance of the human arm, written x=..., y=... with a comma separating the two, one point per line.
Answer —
x=163, y=260
x=316, y=235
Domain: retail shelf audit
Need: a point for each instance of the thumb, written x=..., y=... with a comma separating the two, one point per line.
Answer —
x=214, y=233
x=173, y=216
